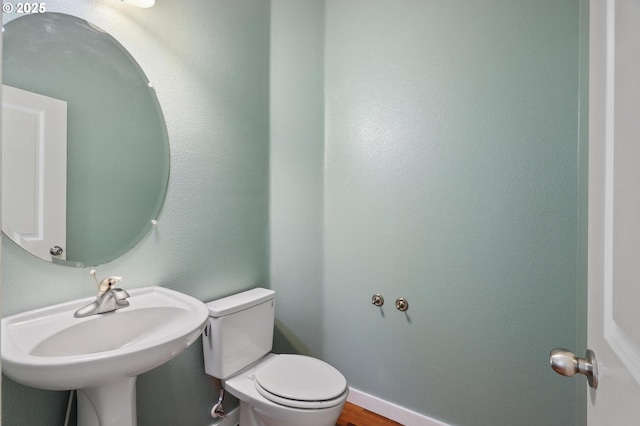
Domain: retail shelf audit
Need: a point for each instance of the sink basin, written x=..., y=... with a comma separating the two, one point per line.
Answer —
x=48, y=348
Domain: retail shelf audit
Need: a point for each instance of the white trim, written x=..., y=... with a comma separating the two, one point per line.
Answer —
x=390, y=410
x=622, y=344
x=232, y=419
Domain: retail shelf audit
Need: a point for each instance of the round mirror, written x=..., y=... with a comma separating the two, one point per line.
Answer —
x=85, y=161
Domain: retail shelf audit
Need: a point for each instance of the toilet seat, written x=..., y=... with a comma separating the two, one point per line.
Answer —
x=300, y=382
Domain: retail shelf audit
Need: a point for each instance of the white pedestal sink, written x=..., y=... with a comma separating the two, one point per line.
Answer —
x=100, y=355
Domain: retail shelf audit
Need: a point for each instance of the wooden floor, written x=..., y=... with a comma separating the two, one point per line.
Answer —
x=352, y=415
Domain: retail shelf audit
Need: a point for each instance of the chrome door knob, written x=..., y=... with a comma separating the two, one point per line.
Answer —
x=566, y=363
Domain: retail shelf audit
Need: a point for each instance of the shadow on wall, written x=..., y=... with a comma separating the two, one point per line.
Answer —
x=285, y=342
x=32, y=406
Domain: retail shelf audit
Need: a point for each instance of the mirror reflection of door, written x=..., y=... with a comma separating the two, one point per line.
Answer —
x=117, y=143
x=34, y=171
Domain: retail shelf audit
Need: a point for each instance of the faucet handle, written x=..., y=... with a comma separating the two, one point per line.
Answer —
x=107, y=284
x=93, y=274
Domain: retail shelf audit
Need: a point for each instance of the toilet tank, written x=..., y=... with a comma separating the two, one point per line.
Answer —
x=239, y=331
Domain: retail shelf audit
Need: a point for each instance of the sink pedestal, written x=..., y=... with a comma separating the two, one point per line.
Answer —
x=112, y=404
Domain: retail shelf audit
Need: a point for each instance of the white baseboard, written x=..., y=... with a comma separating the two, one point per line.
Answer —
x=232, y=419
x=390, y=410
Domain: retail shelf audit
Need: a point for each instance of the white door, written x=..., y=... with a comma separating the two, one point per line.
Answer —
x=34, y=171
x=614, y=211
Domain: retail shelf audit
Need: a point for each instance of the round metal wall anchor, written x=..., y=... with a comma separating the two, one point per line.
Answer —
x=402, y=304
x=377, y=299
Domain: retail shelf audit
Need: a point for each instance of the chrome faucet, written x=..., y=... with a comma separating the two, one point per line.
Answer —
x=108, y=299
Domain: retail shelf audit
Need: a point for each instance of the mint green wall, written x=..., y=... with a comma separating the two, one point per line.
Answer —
x=451, y=150
x=451, y=180
x=209, y=62
x=297, y=161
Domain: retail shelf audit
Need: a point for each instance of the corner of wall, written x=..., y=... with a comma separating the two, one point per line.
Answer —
x=296, y=139
x=583, y=182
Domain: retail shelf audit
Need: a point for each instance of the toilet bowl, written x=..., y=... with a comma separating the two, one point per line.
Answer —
x=274, y=390
x=289, y=390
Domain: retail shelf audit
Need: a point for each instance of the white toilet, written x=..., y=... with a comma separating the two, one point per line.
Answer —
x=274, y=390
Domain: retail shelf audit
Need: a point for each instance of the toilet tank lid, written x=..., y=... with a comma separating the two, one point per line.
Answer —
x=240, y=301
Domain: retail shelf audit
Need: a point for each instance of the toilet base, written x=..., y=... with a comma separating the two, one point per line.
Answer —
x=254, y=416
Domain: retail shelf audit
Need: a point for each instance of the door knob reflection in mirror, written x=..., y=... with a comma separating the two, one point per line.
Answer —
x=56, y=250
x=566, y=363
